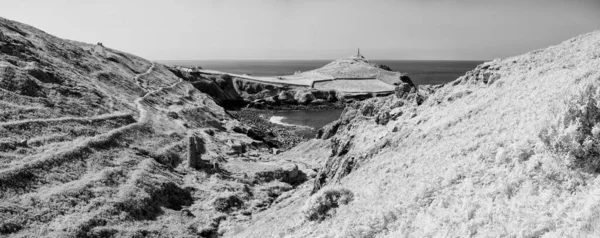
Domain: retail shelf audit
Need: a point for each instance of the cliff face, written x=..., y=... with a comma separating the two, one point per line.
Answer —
x=509, y=149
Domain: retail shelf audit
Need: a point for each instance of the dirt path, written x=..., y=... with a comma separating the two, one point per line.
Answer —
x=67, y=119
x=9, y=175
x=137, y=77
x=90, y=119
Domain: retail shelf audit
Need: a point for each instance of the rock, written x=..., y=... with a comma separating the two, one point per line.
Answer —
x=237, y=148
x=187, y=213
x=209, y=132
x=305, y=98
x=395, y=113
x=402, y=90
x=329, y=130
x=208, y=231
x=22, y=143
x=238, y=129
x=172, y=115
x=275, y=151
x=383, y=118
x=318, y=102
x=291, y=170
x=286, y=97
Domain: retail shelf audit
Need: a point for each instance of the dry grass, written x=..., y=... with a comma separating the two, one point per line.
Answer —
x=474, y=164
x=355, y=86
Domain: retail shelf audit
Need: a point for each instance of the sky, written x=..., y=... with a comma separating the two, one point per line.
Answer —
x=312, y=29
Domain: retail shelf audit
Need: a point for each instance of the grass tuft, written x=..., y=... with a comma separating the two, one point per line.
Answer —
x=319, y=206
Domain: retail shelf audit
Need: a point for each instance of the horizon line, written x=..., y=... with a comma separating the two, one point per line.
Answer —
x=267, y=59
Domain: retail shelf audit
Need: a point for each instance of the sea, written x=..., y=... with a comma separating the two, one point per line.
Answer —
x=420, y=72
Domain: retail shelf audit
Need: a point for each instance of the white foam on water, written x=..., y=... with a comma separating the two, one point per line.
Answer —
x=278, y=120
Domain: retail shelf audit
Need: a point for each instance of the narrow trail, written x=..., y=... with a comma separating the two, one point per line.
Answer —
x=86, y=119
x=9, y=175
x=67, y=119
x=137, y=77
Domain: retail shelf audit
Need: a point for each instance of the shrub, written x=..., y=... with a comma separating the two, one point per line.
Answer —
x=227, y=203
x=318, y=207
x=576, y=133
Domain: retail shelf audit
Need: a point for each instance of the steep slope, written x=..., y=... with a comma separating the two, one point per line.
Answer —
x=509, y=149
x=97, y=142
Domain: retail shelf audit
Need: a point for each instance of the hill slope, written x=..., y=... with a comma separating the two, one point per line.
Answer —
x=99, y=142
x=509, y=149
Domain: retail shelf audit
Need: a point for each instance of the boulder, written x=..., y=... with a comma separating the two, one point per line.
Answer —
x=305, y=97
x=395, y=113
x=238, y=129
x=383, y=118
x=291, y=170
x=172, y=115
x=285, y=96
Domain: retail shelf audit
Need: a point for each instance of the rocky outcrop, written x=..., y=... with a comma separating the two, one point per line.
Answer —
x=378, y=110
x=486, y=73
x=221, y=88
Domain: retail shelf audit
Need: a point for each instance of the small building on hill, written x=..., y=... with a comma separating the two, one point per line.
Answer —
x=99, y=49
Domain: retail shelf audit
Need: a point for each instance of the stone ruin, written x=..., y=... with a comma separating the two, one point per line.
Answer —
x=197, y=148
x=99, y=49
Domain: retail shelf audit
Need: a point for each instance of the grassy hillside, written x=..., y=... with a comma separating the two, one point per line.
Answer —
x=509, y=149
x=95, y=144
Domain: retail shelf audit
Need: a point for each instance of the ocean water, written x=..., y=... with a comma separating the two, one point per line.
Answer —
x=420, y=71
x=312, y=119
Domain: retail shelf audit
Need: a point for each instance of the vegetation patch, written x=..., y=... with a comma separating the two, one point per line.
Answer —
x=320, y=206
x=575, y=135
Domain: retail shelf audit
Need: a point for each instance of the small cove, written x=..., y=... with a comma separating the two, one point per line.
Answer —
x=310, y=119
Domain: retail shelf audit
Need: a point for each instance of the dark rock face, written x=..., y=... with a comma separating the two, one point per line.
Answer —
x=343, y=159
x=329, y=130
x=384, y=67
x=221, y=88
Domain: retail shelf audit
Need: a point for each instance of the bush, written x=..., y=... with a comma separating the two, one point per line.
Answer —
x=227, y=203
x=576, y=134
x=318, y=207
